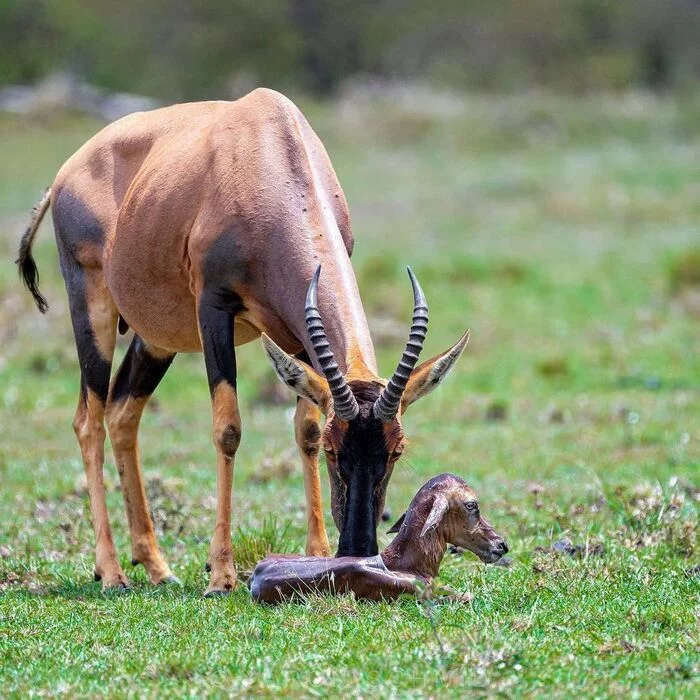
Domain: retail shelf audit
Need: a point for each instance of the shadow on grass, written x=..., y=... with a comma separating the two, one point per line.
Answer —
x=93, y=591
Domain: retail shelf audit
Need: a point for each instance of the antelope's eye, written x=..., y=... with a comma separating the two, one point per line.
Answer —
x=471, y=505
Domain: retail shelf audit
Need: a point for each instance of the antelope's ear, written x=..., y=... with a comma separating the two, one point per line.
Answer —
x=430, y=373
x=302, y=379
x=397, y=525
x=440, y=506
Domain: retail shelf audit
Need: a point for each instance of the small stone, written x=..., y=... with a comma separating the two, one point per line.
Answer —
x=505, y=562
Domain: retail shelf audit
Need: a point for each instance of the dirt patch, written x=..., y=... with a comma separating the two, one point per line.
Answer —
x=169, y=509
x=546, y=558
x=578, y=551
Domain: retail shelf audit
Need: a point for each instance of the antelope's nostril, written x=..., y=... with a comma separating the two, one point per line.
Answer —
x=502, y=547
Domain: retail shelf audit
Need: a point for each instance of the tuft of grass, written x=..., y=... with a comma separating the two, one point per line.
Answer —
x=553, y=367
x=684, y=270
x=253, y=544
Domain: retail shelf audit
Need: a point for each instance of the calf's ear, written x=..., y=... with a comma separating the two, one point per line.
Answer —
x=397, y=525
x=430, y=373
x=301, y=378
x=440, y=506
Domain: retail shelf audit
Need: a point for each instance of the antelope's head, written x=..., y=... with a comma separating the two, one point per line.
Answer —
x=363, y=437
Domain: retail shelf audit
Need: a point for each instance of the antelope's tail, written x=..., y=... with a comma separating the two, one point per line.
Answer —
x=27, y=267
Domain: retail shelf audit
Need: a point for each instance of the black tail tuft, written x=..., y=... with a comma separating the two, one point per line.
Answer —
x=29, y=272
x=27, y=267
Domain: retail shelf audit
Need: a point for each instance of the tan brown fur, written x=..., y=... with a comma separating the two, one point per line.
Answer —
x=88, y=426
x=219, y=150
x=123, y=421
x=102, y=312
x=89, y=429
x=308, y=437
x=182, y=202
x=227, y=436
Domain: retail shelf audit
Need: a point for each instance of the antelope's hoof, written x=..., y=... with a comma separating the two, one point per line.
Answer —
x=135, y=562
x=207, y=567
x=217, y=593
x=222, y=583
x=117, y=582
x=170, y=581
x=318, y=551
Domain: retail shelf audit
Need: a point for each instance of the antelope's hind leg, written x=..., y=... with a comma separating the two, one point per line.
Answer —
x=94, y=318
x=139, y=374
x=216, y=312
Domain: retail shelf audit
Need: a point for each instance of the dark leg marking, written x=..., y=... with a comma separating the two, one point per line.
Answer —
x=216, y=313
x=139, y=373
x=310, y=438
x=230, y=440
x=74, y=223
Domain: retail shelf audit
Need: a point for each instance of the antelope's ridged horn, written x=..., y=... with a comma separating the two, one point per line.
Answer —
x=344, y=402
x=387, y=405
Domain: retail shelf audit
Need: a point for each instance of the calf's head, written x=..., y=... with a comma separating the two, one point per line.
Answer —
x=447, y=507
x=363, y=437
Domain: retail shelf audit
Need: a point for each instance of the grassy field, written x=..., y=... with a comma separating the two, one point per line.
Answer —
x=565, y=235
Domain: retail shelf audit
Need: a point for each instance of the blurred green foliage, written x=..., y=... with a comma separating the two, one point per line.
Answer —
x=209, y=48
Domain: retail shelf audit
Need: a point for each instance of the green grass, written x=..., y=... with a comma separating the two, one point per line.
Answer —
x=564, y=234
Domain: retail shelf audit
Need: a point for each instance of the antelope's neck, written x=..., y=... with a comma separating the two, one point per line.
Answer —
x=413, y=554
x=345, y=322
x=339, y=305
x=311, y=236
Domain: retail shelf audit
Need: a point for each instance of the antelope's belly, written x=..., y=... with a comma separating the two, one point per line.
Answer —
x=164, y=316
x=158, y=304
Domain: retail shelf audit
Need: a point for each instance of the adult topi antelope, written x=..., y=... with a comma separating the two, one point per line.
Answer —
x=203, y=226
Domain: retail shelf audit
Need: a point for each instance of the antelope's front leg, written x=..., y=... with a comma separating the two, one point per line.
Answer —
x=216, y=330
x=307, y=431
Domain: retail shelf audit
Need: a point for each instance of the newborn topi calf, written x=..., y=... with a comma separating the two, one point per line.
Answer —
x=444, y=511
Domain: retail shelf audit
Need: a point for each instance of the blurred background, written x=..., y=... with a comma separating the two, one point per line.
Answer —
x=217, y=48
